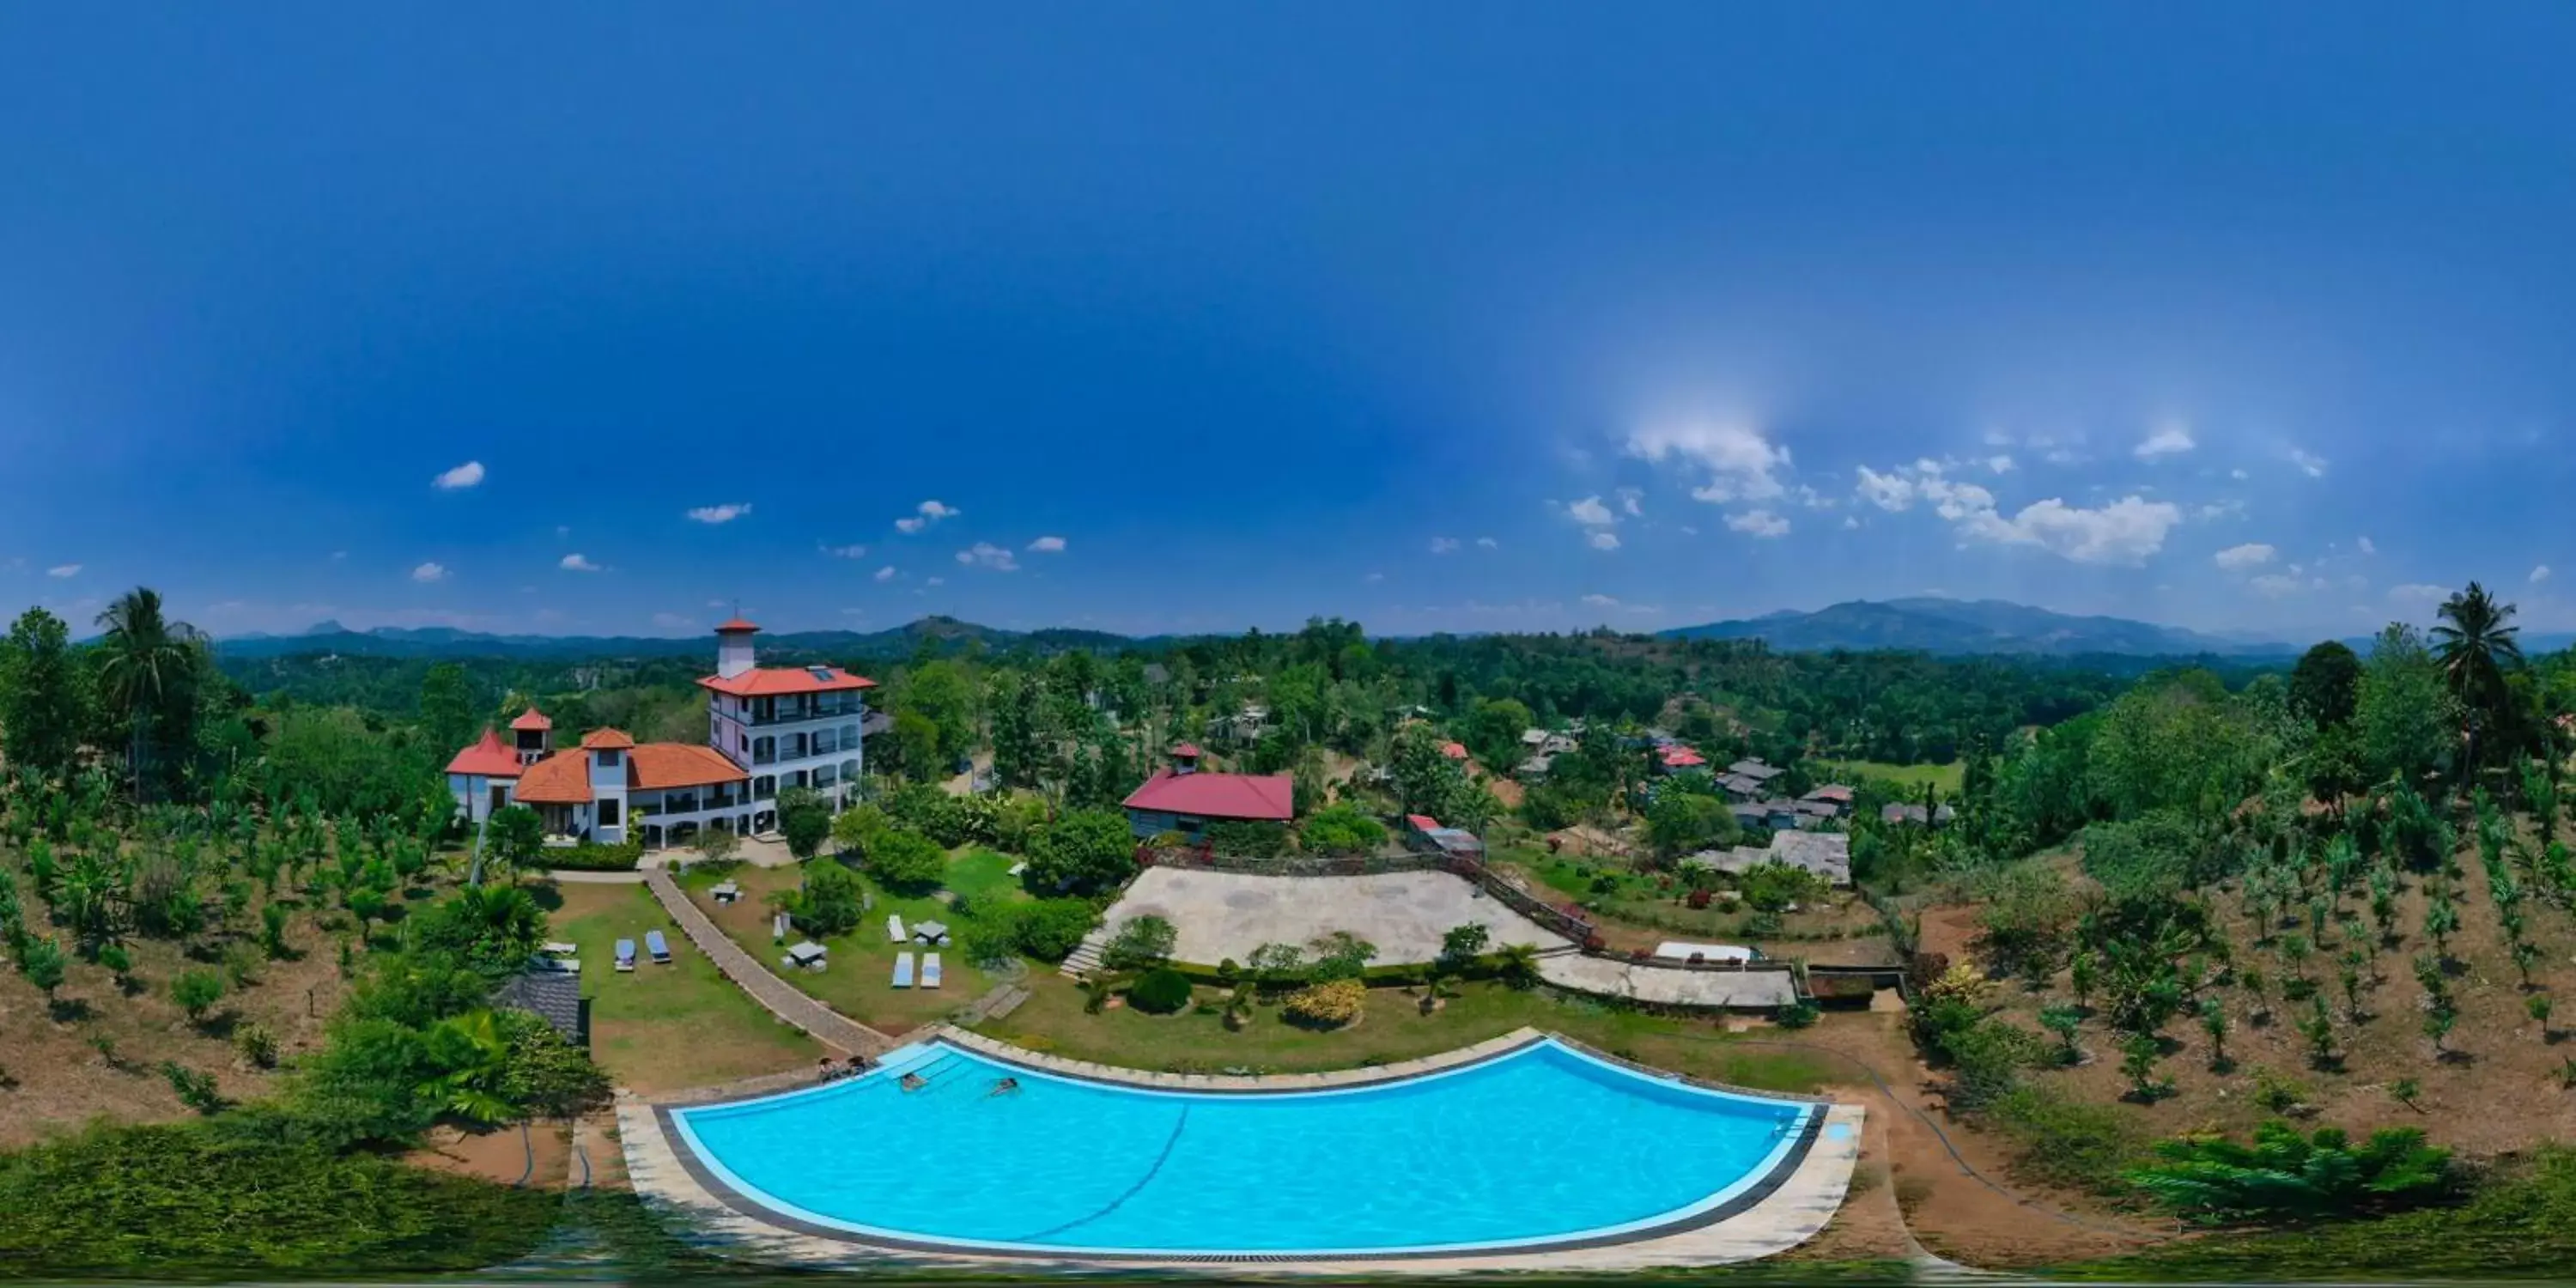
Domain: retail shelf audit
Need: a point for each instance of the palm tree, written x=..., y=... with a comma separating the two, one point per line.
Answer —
x=142, y=656
x=2476, y=648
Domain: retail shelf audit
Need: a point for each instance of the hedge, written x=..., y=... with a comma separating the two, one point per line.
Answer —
x=591, y=856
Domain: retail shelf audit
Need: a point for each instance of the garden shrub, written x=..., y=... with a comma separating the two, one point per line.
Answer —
x=1048, y=929
x=1141, y=942
x=2284, y=1175
x=830, y=902
x=1160, y=992
x=591, y=856
x=1248, y=840
x=1330, y=1004
x=1341, y=829
x=903, y=859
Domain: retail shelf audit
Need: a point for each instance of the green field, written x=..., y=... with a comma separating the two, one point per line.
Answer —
x=660, y=1028
x=1944, y=778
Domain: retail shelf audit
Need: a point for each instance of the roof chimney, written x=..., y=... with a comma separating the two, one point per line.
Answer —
x=1185, y=758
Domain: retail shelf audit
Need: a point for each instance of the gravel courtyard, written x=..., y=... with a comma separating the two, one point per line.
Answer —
x=1228, y=914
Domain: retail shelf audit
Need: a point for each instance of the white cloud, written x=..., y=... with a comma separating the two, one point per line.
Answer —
x=1444, y=545
x=2000, y=464
x=1600, y=601
x=2309, y=463
x=721, y=513
x=845, y=552
x=2419, y=593
x=1890, y=492
x=463, y=476
x=984, y=554
x=2171, y=439
x=1689, y=531
x=886, y=573
x=1374, y=578
x=576, y=562
x=926, y=514
x=1740, y=462
x=2253, y=554
x=1488, y=543
x=2239, y=474
x=1926, y=481
x=2366, y=547
x=1629, y=501
x=1605, y=540
x=1047, y=546
x=2273, y=585
x=673, y=621
x=934, y=581
x=2124, y=532
x=1759, y=523
x=63, y=570
x=2539, y=574
x=430, y=572
x=1850, y=521
x=1591, y=513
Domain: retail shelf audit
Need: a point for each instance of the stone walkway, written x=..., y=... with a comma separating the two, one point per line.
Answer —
x=784, y=1000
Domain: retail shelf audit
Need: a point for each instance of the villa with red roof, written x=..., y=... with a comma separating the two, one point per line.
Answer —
x=768, y=729
x=1185, y=798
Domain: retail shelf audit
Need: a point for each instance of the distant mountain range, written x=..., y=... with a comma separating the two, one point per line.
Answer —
x=1932, y=625
x=330, y=637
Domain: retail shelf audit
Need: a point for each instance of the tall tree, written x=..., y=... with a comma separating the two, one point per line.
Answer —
x=147, y=665
x=41, y=692
x=446, y=707
x=2477, y=646
x=2326, y=684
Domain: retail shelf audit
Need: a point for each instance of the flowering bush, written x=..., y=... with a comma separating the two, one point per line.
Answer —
x=1330, y=1004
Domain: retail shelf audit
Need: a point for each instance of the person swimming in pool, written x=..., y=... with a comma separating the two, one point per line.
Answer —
x=914, y=1082
x=1003, y=1087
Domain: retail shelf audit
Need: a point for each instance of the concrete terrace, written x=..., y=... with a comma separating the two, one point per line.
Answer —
x=1221, y=915
x=1793, y=1212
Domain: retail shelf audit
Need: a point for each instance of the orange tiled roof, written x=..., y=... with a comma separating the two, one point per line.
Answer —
x=533, y=719
x=487, y=758
x=606, y=739
x=777, y=681
x=560, y=779
x=678, y=764
x=737, y=624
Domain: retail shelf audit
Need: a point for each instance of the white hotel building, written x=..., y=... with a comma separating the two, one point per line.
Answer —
x=768, y=729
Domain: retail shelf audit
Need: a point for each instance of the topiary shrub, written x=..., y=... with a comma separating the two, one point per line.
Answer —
x=1328, y=1005
x=1160, y=992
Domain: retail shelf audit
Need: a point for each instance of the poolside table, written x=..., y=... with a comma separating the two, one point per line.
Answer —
x=930, y=932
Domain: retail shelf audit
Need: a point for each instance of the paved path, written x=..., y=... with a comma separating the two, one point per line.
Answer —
x=784, y=1000
x=576, y=876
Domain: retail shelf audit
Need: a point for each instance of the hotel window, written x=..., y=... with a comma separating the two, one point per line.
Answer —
x=608, y=813
x=608, y=758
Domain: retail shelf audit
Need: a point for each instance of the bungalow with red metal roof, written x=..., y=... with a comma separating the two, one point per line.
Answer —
x=1185, y=798
x=1674, y=758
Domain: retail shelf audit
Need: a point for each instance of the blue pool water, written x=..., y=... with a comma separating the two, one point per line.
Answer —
x=1541, y=1145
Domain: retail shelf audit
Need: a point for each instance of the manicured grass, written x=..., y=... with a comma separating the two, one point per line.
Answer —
x=1946, y=778
x=1395, y=1029
x=661, y=1028
x=862, y=963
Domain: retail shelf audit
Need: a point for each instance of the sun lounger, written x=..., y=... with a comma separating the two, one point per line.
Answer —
x=903, y=970
x=930, y=970
x=558, y=948
x=625, y=954
x=894, y=929
x=659, y=947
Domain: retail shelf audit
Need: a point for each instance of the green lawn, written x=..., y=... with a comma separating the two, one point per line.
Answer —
x=660, y=1028
x=1394, y=1029
x=858, y=982
x=1945, y=778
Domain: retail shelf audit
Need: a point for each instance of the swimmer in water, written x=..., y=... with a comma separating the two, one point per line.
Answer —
x=914, y=1082
x=1003, y=1087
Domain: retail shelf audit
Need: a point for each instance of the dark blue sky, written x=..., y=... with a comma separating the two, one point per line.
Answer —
x=1461, y=316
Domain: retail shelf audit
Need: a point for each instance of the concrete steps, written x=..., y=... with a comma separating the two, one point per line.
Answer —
x=1085, y=957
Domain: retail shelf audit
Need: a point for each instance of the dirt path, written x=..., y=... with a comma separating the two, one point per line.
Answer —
x=783, y=999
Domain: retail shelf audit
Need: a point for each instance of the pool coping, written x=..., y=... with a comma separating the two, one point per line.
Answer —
x=820, y=1241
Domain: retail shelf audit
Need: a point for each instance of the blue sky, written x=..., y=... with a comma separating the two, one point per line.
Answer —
x=1155, y=317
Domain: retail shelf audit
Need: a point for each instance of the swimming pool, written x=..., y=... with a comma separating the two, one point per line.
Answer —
x=1539, y=1146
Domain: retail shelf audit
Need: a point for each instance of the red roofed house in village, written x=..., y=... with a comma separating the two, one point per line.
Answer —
x=1675, y=758
x=1186, y=798
x=768, y=729
x=1454, y=750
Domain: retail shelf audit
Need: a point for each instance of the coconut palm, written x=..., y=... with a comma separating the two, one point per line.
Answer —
x=143, y=656
x=2476, y=646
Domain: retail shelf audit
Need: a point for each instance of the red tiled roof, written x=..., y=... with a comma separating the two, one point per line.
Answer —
x=564, y=777
x=1454, y=750
x=1422, y=822
x=560, y=779
x=1271, y=797
x=534, y=719
x=606, y=739
x=776, y=681
x=487, y=758
x=1678, y=757
x=1185, y=749
x=736, y=624
x=679, y=764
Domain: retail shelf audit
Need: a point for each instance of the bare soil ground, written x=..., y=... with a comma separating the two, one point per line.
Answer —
x=61, y=1081
x=542, y=1154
